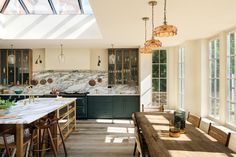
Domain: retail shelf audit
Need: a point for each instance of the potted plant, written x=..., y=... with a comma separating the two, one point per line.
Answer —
x=5, y=105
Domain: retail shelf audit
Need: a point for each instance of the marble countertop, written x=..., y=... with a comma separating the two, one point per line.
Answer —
x=22, y=94
x=114, y=94
x=27, y=113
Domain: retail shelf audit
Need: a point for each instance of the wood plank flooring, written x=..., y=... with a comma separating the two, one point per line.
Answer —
x=101, y=138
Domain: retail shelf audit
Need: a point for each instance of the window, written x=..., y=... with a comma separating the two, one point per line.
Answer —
x=159, y=77
x=214, y=84
x=45, y=7
x=231, y=79
x=181, y=78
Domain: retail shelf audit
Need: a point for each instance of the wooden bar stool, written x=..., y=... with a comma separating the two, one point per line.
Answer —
x=55, y=121
x=45, y=138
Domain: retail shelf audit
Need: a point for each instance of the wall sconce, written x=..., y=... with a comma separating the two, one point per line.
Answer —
x=99, y=60
x=38, y=60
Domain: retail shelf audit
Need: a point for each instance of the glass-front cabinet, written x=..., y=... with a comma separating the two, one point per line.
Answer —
x=15, y=66
x=123, y=66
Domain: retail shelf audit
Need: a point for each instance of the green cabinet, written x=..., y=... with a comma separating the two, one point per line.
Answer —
x=99, y=107
x=112, y=106
x=15, y=66
x=123, y=66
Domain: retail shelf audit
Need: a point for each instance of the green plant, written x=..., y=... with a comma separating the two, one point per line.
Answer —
x=5, y=104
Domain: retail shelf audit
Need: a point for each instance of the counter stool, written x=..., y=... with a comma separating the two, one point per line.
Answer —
x=44, y=128
x=3, y=135
x=55, y=121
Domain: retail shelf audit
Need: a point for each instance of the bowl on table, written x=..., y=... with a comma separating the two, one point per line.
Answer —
x=19, y=91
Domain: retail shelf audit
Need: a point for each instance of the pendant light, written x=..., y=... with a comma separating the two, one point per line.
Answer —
x=11, y=58
x=61, y=57
x=165, y=30
x=153, y=43
x=145, y=49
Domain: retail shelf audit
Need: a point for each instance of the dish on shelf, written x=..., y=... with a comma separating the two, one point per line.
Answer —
x=34, y=82
x=50, y=80
x=43, y=82
x=92, y=82
x=18, y=91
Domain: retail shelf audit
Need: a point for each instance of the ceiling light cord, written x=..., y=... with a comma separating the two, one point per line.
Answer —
x=165, y=22
x=145, y=36
x=152, y=21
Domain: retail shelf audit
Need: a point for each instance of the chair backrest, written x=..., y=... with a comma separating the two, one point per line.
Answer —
x=219, y=135
x=159, y=108
x=195, y=120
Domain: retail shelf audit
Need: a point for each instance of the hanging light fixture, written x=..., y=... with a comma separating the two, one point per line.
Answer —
x=61, y=57
x=145, y=49
x=165, y=30
x=11, y=58
x=153, y=43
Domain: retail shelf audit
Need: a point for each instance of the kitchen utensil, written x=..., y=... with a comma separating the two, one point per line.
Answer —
x=50, y=80
x=34, y=82
x=43, y=82
x=92, y=82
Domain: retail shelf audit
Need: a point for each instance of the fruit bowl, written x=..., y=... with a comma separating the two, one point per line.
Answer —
x=19, y=91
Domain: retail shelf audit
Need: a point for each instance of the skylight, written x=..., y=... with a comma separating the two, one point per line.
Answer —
x=38, y=7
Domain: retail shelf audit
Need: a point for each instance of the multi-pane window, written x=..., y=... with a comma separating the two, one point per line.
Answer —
x=214, y=81
x=159, y=77
x=181, y=78
x=231, y=79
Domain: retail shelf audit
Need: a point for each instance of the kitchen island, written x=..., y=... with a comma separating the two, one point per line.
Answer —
x=27, y=111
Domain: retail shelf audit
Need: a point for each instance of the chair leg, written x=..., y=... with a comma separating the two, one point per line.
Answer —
x=62, y=139
x=6, y=146
x=138, y=154
x=52, y=142
x=135, y=146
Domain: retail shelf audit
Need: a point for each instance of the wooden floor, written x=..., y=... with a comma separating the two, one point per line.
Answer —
x=101, y=138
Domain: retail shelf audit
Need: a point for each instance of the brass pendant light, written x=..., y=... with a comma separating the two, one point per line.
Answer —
x=153, y=43
x=145, y=49
x=165, y=30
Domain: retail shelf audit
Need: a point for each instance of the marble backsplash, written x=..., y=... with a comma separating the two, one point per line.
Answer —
x=77, y=81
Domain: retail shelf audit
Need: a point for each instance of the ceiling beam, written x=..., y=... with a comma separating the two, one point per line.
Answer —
x=24, y=6
x=81, y=6
x=52, y=7
x=4, y=6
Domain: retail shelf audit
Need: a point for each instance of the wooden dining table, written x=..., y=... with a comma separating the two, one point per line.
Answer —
x=193, y=143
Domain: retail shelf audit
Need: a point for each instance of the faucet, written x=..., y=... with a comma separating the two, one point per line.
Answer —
x=31, y=96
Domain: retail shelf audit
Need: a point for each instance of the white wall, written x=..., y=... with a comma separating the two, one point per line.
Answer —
x=94, y=53
x=75, y=59
x=1, y=26
x=39, y=66
x=145, y=70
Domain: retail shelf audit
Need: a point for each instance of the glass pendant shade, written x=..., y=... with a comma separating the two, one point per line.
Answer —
x=145, y=49
x=153, y=43
x=165, y=30
x=11, y=58
x=61, y=57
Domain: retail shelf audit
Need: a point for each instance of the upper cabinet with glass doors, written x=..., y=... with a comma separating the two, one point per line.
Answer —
x=123, y=66
x=15, y=66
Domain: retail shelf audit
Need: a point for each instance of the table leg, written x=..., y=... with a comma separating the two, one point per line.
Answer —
x=19, y=140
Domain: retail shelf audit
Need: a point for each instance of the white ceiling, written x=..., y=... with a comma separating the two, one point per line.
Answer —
x=120, y=22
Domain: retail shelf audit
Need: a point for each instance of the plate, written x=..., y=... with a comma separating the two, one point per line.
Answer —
x=92, y=82
x=43, y=82
x=50, y=80
x=34, y=82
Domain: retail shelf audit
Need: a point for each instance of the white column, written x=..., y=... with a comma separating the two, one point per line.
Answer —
x=204, y=78
x=223, y=80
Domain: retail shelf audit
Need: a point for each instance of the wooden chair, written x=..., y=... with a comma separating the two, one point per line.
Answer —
x=159, y=108
x=195, y=120
x=10, y=147
x=219, y=135
x=140, y=143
